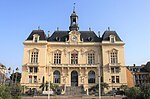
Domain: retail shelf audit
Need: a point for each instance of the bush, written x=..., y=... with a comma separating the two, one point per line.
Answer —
x=133, y=93
x=10, y=92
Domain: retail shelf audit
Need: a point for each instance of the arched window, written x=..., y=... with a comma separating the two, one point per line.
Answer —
x=91, y=77
x=56, y=76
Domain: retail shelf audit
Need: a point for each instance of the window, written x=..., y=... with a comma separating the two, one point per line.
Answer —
x=113, y=79
x=115, y=69
x=35, y=69
x=112, y=38
x=91, y=58
x=56, y=76
x=57, y=57
x=118, y=89
x=30, y=78
x=35, y=38
x=117, y=79
x=35, y=79
x=30, y=69
x=34, y=56
x=113, y=57
x=91, y=77
x=74, y=57
x=112, y=70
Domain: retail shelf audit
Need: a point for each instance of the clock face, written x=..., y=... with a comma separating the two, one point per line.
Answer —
x=74, y=38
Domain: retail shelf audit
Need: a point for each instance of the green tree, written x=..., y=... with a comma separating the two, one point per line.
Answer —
x=10, y=92
x=5, y=92
x=16, y=90
x=145, y=89
x=133, y=93
x=44, y=86
x=15, y=77
x=96, y=87
x=24, y=88
x=124, y=87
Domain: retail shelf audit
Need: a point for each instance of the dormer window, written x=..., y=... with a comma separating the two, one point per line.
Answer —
x=112, y=38
x=36, y=38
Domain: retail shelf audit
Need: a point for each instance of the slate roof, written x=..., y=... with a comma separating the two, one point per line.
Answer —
x=39, y=32
x=144, y=68
x=60, y=36
x=147, y=66
x=105, y=36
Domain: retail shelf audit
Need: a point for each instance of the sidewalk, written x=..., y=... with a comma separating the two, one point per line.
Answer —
x=72, y=97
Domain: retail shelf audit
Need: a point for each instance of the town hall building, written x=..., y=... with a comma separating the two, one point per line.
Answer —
x=73, y=58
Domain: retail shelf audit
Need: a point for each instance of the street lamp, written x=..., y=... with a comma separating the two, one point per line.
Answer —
x=17, y=69
x=49, y=86
x=9, y=72
x=99, y=78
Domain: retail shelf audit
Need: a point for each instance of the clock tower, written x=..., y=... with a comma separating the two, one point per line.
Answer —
x=73, y=21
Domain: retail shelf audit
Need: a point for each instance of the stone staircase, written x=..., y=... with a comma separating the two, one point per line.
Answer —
x=74, y=91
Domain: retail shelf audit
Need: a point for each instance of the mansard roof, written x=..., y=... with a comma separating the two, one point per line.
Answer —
x=147, y=66
x=61, y=36
x=39, y=32
x=106, y=35
x=142, y=68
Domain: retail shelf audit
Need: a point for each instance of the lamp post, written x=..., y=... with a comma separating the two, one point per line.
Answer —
x=9, y=71
x=17, y=69
x=99, y=78
x=49, y=85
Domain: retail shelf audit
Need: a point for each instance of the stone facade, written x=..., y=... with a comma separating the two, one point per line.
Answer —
x=73, y=58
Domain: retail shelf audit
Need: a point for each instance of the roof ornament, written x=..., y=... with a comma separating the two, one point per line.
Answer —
x=89, y=29
x=108, y=28
x=57, y=28
x=74, y=4
x=39, y=28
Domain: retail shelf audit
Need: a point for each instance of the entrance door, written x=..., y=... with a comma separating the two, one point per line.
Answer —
x=74, y=78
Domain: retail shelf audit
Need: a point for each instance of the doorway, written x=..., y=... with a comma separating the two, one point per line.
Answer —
x=74, y=78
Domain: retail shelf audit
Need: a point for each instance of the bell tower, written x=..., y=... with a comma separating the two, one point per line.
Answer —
x=73, y=21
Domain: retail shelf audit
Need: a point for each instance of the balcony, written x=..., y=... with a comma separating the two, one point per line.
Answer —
x=74, y=65
x=114, y=64
x=32, y=64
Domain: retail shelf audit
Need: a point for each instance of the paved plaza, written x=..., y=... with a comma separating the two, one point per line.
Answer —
x=72, y=97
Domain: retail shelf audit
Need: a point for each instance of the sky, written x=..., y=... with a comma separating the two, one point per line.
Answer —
x=129, y=18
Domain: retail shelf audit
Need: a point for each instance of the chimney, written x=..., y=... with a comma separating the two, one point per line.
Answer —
x=99, y=34
x=108, y=28
x=48, y=33
x=57, y=28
